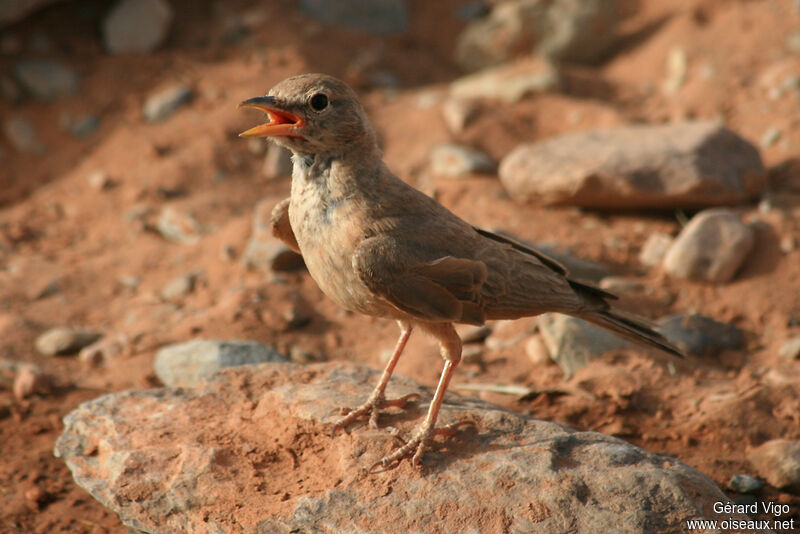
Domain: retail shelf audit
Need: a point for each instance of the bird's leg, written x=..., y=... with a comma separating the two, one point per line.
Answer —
x=378, y=399
x=415, y=447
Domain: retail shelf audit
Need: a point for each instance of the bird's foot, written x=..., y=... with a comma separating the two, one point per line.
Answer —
x=372, y=407
x=416, y=446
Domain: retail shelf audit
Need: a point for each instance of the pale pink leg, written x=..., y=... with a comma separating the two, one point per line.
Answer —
x=377, y=400
x=451, y=352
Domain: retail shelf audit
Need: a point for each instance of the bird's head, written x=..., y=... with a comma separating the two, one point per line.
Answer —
x=312, y=114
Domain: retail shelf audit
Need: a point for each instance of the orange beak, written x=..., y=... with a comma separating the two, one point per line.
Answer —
x=281, y=123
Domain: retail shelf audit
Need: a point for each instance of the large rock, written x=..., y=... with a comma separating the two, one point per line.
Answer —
x=564, y=30
x=711, y=248
x=252, y=453
x=378, y=17
x=137, y=26
x=686, y=165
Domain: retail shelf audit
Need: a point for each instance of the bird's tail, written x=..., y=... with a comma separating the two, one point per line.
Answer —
x=629, y=326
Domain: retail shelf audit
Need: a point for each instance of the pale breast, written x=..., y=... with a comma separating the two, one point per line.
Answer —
x=328, y=233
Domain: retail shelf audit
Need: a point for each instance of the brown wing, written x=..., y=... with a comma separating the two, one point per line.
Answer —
x=446, y=289
x=281, y=228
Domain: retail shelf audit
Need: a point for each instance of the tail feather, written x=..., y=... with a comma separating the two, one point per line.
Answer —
x=631, y=327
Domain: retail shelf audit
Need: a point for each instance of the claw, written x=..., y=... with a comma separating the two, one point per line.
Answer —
x=418, y=444
x=372, y=406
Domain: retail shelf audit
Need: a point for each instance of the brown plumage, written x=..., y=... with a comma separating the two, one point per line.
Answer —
x=378, y=246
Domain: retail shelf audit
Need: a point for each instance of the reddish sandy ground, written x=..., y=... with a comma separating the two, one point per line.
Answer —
x=56, y=229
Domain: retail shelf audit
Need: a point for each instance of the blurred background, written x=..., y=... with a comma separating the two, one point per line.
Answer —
x=133, y=218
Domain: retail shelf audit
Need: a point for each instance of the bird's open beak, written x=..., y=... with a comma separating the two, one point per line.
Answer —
x=281, y=123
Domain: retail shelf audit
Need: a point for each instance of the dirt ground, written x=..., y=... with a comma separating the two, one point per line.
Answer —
x=68, y=250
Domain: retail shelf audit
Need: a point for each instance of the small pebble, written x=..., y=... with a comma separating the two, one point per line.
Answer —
x=21, y=134
x=36, y=495
x=788, y=244
x=166, y=102
x=65, y=340
x=179, y=287
x=454, y=161
x=770, y=137
x=790, y=349
x=744, y=484
x=31, y=380
x=99, y=180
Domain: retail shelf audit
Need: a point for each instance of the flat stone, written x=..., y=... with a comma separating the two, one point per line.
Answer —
x=573, y=343
x=46, y=79
x=510, y=82
x=192, y=363
x=179, y=460
x=700, y=335
x=456, y=160
x=778, y=462
x=684, y=165
x=711, y=248
x=164, y=103
x=65, y=340
x=378, y=17
x=137, y=26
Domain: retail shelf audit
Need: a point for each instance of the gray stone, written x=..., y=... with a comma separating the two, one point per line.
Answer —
x=277, y=162
x=265, y=252
x=21, y=134
x=701, y=336
x=790, y=349
x=685, y=165
x=177, y=226
x=378, y=17
x=655, y=248
x=64, y=340
x=164, y=103
x=573, y=343
x=136, y=26
x=46, y=79
x=456, y=160
x=778, y=462
x=562, y=30
x=190, y=364
x=711, y=248
x=510, y=82
x=178, y=460
x=744, y=484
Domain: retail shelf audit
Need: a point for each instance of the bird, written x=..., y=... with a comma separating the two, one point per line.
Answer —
x=376, y=245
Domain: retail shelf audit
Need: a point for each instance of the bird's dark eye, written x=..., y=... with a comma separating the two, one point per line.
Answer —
x=319, y=101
